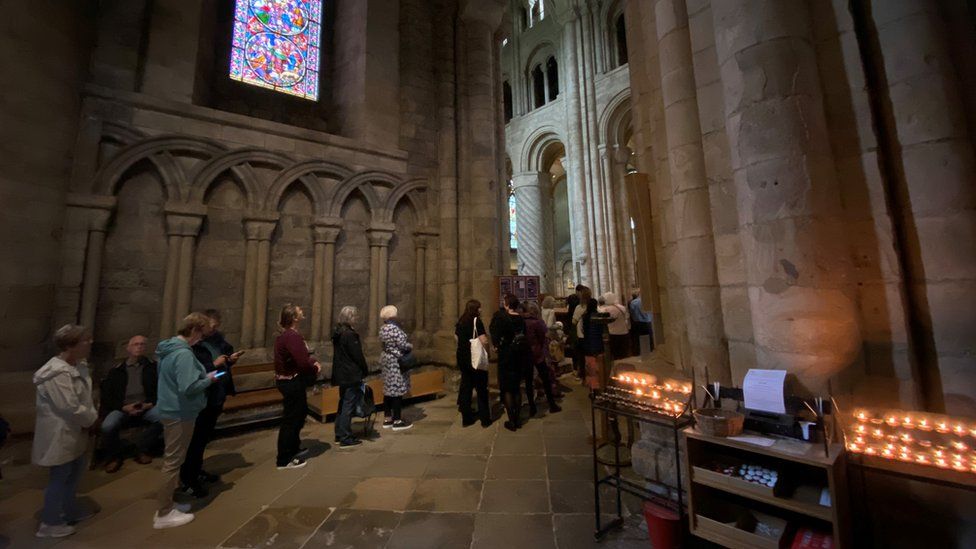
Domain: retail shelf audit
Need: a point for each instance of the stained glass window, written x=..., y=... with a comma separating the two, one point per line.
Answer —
x=276, y=45
x=513, y=239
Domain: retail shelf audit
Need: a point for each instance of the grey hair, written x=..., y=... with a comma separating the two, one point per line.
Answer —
x=69, y=335
x=388, y=312
x=532, y=308
x=348, y=314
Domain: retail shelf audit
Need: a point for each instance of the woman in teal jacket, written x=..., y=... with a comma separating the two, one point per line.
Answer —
x=182, y=385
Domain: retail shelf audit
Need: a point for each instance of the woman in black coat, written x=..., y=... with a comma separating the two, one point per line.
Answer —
x=508, y=335
x=349, y=368
x=468, y=327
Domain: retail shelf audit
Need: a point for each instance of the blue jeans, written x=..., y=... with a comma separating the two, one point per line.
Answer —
x=348, y=396
x=117, y=420
x=60, y=502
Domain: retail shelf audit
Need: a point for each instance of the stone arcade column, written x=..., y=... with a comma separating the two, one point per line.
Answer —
x=96, y=211
x=422, y=240
x=257, y=230
x=379, y=235
x=326, y=233
x=609, y=230
x=790, y=217
x=183, y=224
x=623, y=234
x=695, y=247
x=536, y=254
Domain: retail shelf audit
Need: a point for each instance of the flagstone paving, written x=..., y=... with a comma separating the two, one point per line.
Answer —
x=436, y=485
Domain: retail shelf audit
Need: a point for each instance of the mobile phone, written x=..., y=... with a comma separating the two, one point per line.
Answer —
x=220, y=373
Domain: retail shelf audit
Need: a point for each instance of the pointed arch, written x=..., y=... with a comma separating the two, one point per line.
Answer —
x=362, y=182
x=236, y=162
x=315, y=191
x=158, y=150
x=410, y=191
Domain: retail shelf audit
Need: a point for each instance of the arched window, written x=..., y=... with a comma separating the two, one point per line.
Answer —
x=507, y=97
x=621, y=32
x=552, y=77
x=536, y=12
x=275, y=45
x=538, y=87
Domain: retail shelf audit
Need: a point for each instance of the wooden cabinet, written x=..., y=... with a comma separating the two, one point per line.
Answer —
x=733, y=512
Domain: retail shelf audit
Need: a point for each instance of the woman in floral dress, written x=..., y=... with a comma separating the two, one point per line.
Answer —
x=396, y=384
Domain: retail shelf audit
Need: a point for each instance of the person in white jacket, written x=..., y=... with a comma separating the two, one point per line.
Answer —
x=64, y=412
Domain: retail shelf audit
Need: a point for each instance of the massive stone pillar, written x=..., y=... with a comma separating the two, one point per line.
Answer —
x=535, y=232
x=935, y=201
x=182, y=227
x=575, y=151
x=257, y=231
x=447, y=67
x=790, y=218
x=379, y=249
x=623, y=234
x=326, y=233
x=696, y=271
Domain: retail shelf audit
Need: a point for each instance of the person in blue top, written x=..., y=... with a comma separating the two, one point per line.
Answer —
x=640, y=323
x=183, y=383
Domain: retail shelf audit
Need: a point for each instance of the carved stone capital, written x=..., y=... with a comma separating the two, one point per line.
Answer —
x=260, y=227
x=183, y=224
x=379, y=238
x=96, y=210
x=325, y=234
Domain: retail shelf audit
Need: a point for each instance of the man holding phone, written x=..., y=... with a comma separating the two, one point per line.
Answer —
x=128, y=399
x=216, y=355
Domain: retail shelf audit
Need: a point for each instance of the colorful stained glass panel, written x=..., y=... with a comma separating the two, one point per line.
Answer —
x=512, y=226
x=276, y=45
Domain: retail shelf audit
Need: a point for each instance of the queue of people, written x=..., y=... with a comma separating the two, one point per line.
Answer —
x=182, y=397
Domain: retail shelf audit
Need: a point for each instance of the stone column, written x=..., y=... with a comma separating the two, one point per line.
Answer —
x=790, y=217
x=573, y=162
x=258, y=230
x=379, y=235
x=623, y=234
x=697, y=275
x=98, y=213
x=535, y=239
x=422, y=241
x=326, y=233
x=930, y=157
x=609, y=230
x=183, y=224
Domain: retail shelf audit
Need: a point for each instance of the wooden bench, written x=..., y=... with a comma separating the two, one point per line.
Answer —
x=422, y=383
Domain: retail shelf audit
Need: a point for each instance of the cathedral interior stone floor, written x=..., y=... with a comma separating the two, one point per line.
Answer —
x=436, y=485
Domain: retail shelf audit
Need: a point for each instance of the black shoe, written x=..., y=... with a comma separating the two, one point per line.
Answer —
x=350, y=443
x=401, y=425
x=486, y=424
x=302, y=452
x=511, y=426
x=208, y=478
x=468, y=421
x=554, y=408
x=195, y=490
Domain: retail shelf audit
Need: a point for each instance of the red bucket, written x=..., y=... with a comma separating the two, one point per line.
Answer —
x=663, y=526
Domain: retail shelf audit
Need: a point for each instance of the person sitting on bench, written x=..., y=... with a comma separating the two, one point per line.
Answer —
x=128, y=399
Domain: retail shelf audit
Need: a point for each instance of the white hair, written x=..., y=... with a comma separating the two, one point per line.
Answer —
x=348, y=314
x=610, y=298
x=388, y=312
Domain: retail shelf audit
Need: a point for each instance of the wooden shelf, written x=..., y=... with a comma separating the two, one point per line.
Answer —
x=804, y=499
x=797, y=461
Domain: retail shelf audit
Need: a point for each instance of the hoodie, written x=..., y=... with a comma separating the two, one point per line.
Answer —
x=64, y=409
x=182, y=381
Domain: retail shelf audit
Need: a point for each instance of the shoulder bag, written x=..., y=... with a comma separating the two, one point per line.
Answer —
x=479, y=355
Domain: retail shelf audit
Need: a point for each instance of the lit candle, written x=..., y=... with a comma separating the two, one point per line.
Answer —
x=861, y=416
x=639, y=392
x=959, y=466
x=942, y=427
x=905, y=437
x=891, y=420
x=923, y=424
x=959, y=446
x=922, y=459
x=886, y=453
x=870, y=451
x=959, y=430
x=861, y=429
x=854, y=448
x=859, y=440
x=877, y=433
x=907, y=421
x=941, y=463
x=655, y=394
x=905, y=456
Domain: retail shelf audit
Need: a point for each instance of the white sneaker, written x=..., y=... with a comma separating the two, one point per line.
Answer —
x=172, y=519
x=54, y=530
x=295, y=463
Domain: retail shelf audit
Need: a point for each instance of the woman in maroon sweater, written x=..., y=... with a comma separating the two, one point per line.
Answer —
x=293, y=364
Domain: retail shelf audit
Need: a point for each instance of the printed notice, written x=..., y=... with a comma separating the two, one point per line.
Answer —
x=764, y=390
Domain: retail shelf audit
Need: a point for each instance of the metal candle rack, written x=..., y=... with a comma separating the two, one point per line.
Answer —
x=665, y=405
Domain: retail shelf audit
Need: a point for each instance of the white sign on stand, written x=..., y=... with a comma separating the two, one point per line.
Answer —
x=765, y=390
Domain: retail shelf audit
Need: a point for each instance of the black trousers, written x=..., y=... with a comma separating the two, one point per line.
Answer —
x=349, y=395
x=579, y=359
x=394, y=407
x=543, y=370
x=474, y=380
x=203, y=433
x=295, y=409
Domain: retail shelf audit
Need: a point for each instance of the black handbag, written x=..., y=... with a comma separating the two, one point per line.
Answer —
x=365, y=405
x=407, y=362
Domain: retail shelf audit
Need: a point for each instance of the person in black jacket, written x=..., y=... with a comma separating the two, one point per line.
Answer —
x=508, y=336
x=215, y=353
x=128, y=399
x=349, y=368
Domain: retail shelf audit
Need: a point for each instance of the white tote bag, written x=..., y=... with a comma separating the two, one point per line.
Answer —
x=479, y=355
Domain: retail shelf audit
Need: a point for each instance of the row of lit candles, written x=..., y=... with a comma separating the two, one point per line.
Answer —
x=937, y=458
x=649, y=382
x=655, y=397
x=909, y=421
x=862, y=431
x=667, y=408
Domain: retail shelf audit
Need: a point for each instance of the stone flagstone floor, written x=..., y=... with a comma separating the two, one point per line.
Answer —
x=436, y=485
